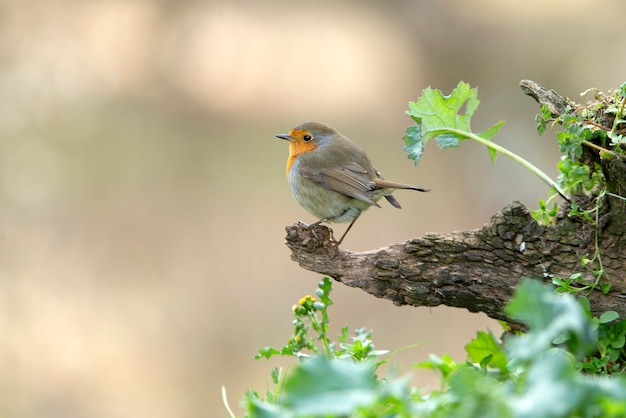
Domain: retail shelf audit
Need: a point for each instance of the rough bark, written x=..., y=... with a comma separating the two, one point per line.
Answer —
x=479, y=269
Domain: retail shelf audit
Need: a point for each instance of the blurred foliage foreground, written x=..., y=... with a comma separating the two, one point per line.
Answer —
x=541, y=373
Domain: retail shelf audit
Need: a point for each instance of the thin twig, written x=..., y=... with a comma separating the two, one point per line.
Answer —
x=598, y=147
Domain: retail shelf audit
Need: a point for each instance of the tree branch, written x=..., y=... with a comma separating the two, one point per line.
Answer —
x=476, y=270
x=557, y=104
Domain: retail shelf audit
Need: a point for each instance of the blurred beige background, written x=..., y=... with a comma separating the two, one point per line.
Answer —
x=143, y=195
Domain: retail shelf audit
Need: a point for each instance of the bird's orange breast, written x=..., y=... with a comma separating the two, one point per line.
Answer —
x=297, y=147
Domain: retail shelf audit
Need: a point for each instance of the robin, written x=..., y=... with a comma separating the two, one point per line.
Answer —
x=332, y=177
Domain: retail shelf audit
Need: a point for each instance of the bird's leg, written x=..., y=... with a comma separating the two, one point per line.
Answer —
x=346, y=233
x=321, y=221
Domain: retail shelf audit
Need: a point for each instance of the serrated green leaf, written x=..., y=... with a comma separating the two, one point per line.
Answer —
x=437, y=113
x=447, y=120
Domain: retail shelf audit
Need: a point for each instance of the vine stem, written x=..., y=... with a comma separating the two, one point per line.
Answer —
x=498, y=148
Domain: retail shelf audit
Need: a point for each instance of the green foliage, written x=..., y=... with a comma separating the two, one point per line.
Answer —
x=541, y=373
x=557, y=317
x=579, y=176
x=609, y=356
x=332, y=378
x=311, y=315
x=584, y=127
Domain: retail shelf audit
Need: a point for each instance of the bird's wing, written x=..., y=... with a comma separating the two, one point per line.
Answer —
x=350, y=179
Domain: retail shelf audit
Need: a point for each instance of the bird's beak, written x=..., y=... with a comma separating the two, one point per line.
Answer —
x=284, y=136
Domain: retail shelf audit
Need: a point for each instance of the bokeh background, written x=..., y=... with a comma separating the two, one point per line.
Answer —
x=143, y=197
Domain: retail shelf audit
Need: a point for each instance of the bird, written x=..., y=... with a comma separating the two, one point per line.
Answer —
x=332, y=177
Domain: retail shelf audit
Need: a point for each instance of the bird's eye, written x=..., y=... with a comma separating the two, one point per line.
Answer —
x=307, y=138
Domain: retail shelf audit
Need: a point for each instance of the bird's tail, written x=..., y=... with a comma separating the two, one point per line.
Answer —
x=392, y=185
x=386, y=184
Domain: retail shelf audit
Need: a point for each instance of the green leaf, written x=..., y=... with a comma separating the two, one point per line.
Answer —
x=323, y=291
x=445, y=364
x=548, y=315
x=267, y=352
x=485, y=344
x=414, y=146
x=615, y=138
x=328, y=387
x=619, y=341
x=436, y=112
x=446, y=119
x=608, y=316
x=543, y=118
x=551, y=389
x=476, y=395
x=259, y=409
x=488, y=134
x=484, y=363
